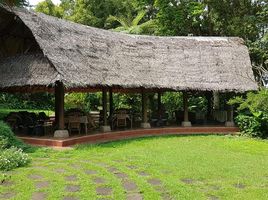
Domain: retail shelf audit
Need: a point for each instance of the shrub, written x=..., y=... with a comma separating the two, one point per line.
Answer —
x=8, y=139
x=12, y=158
x=11, y=150
x=252, y=117
x=255, y=125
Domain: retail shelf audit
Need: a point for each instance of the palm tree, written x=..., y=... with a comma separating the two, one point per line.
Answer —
x=132, y=24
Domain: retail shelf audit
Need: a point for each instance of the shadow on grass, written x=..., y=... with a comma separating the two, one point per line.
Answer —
x=114, y=144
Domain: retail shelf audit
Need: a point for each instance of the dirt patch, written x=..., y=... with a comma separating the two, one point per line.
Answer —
x=7, y=183
x=112, y=169
x=104, y=190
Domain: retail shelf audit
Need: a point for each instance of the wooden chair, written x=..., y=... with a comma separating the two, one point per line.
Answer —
x=74, y=123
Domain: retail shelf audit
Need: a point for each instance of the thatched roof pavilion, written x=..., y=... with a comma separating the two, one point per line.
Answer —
x=40, y=52
x=41, y=49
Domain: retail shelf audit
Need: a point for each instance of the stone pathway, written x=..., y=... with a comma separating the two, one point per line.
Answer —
x=104, y=191
x=42, y=184
x=71, y=178
x=72, y=188
x=7, y=195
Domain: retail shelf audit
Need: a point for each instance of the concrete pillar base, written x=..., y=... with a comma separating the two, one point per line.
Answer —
x=229, y=124
x=61, y=134
x=145, y=125
x=105, y=128
x=186, y=124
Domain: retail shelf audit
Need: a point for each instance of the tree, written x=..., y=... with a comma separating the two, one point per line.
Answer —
x=131, y=24
x=19, y=3
x=48, y=7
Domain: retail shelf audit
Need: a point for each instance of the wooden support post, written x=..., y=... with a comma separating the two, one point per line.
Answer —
x=111, y=104
x=159, y=104
x=230, y=117
x=144, y=99
x=186, y=121
x=59, y=111
x=209, y=96
x=105, y=127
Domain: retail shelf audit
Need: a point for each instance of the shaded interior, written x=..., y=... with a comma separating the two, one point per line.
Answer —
x=15, y=36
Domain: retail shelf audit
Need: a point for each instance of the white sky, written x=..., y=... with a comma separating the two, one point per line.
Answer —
x=34, y=2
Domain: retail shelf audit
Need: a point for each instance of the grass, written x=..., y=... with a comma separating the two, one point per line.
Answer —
x=188, y=167
x=5, y=111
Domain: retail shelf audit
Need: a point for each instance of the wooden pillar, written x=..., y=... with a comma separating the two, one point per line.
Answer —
x=111, y=104
x=186, y=121
x=159, y=104
x=59, y=111
x=104, y=107
x=230, y=117
x=105, y=127
x=209, y=105
x=216, y=100
x=144, y=99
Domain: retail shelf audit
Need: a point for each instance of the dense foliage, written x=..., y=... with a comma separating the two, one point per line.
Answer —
x=11, y=150
x=252, y=116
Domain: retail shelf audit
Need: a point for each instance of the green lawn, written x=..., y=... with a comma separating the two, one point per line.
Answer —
x=5, y=111
x=186, y=167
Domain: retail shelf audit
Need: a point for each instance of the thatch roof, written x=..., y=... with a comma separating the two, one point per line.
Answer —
x=83, y=57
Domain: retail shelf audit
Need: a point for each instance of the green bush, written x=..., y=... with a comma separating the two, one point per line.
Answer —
x=255, y=125
x=12, y=158
x=252, y=117
x=8, y=139
x=11, y=150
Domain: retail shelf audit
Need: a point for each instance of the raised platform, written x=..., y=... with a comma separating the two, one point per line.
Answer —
x=121, y=135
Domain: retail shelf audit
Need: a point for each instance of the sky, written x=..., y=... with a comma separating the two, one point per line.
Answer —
x=34, y=2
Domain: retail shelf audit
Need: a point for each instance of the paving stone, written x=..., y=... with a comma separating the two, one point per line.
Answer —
x=112, y=169
x=90, y=171
x=121, y=175
x=132, y=167
x=72, y=188
x=142, y=173
x=213, y=197
x=188, y=180
x=154, y=181
x=7, y=195
x=71, y=178
x=39, y=196
x=42, y=184
x=7, y=183
x=215, y=187
x=104, y=190
x=239, y=186
x=35, y=177
x=60, y=170
x=136, y=196
x=129, y=186
x=70, y=198
x=99, y=180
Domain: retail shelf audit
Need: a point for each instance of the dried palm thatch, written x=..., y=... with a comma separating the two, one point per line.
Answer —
x=86, y=57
